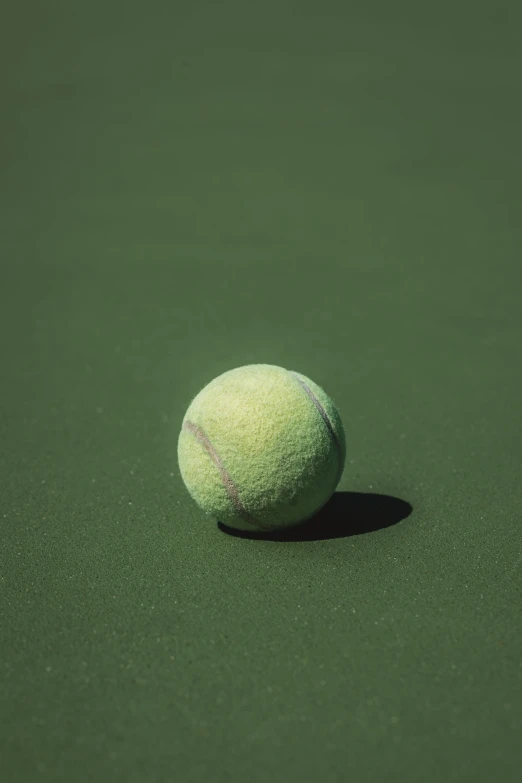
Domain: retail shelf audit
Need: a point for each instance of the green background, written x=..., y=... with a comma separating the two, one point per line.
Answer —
x=191, y=186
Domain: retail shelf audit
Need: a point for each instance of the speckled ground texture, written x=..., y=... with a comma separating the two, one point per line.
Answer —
x=330, y=187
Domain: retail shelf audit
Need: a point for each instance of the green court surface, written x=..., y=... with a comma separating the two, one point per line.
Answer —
x=333, y=187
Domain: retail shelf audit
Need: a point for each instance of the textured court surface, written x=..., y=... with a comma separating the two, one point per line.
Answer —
x=332, y=187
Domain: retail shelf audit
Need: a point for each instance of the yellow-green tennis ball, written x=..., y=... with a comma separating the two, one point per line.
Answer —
x=261, y=448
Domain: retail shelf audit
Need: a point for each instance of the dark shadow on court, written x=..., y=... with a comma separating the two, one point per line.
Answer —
x=345, y=514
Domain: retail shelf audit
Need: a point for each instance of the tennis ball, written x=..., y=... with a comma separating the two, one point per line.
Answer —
x=261, y=448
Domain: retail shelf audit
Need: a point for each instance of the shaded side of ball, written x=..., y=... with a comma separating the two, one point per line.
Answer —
x=261, y=448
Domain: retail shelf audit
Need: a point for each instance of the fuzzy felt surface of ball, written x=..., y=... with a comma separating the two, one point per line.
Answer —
x=261, y=448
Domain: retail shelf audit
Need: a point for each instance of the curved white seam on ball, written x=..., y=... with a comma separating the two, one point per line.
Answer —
x=226, y=478
x=328, y=423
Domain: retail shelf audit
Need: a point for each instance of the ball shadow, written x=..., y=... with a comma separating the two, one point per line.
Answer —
x=345, y=514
